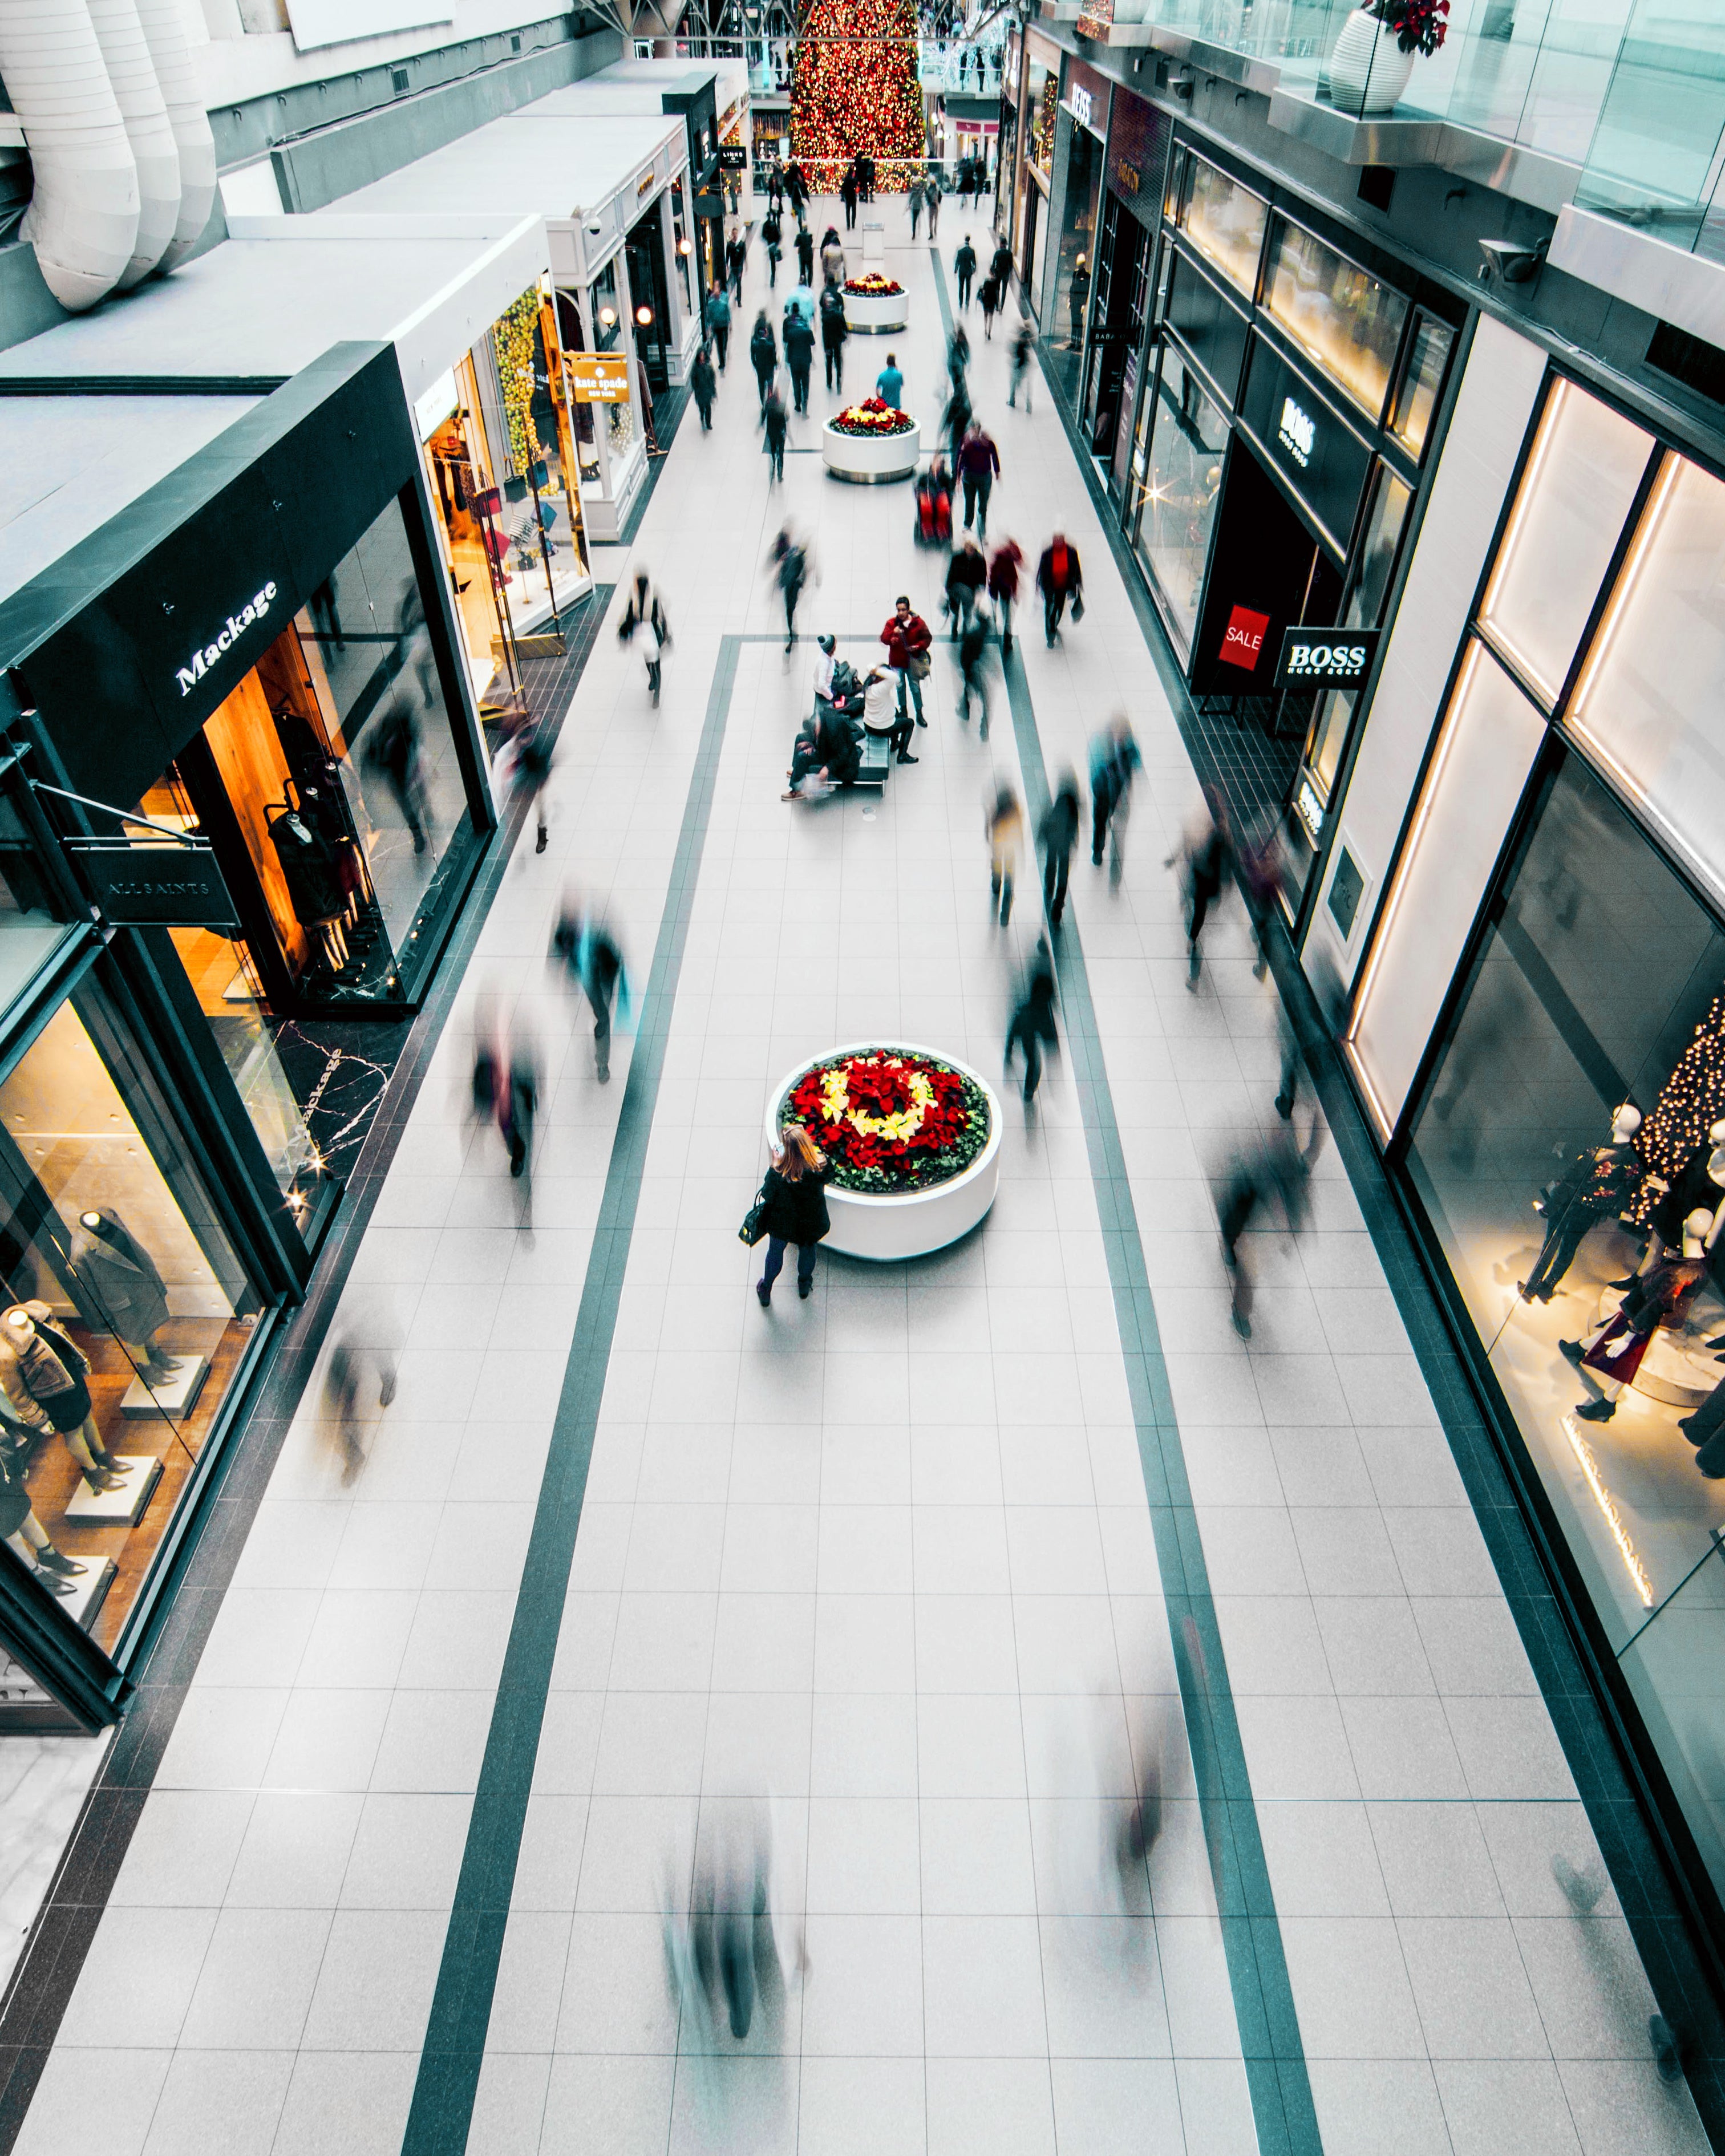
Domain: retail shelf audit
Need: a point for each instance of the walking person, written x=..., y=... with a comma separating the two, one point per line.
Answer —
x=958, y=357
x=703, y=388
x=1004, y=568
x=790, y=564
x=793, y=1209
x=847, y=195
x=1023, y=343
x=1058, y=834
x=832, y=257
x=775, y=425
x=1003, y=827
x=964, y=269
x=771, y=231
x=908, y=641
x=932, y=196
x=1032, y=1026
x=518, y=1109
x=978, y=468
x=889, y=382
x=717, y=315
x=966, y=575
x=799, y=355
x=763, y=354
x=833, y=330
x=643, y=624
x=589, y=955
x=988, y=298
x=957, y=417
x=805, y=254
x=1201, y=862
x=1058, y=579
x=915, y=204
x=972, y=661
x=1271, y=1167
x=737, y=254
x=1000, y=269
x=528, y=774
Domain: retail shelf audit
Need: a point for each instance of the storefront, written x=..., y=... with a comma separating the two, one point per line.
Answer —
x=1081, y=130
x=1551, y=952
x=243, y=805
x=1284, y=426
x=1139, y=135
x=1039, y=110
x=1006, y=164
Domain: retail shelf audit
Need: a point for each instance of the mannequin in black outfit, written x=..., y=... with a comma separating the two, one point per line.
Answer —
x=122, y=1276
x=1598, y=1184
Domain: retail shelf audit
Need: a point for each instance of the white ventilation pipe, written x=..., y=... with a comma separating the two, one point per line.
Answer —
x=165, y=29
x=83, y=217
x=132, y=73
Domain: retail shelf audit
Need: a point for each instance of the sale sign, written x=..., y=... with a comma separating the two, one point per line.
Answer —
x=1243, y=643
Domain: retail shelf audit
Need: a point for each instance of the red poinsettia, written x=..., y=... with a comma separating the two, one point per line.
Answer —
x=890, y=1120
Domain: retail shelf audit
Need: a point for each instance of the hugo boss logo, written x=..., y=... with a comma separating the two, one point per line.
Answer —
x=192, y=672
x=1341, y=657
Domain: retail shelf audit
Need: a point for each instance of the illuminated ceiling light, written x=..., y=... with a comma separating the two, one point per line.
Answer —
x=1608, y=1505
x=608, y=316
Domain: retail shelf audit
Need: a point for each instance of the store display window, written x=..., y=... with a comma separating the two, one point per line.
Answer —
x=1042, y=103
x=1580, y=481
x=1422, y=382
x=31, y=929
x=1216, y=332
x=127, y=1316
x=1172, y=519
x=1346, y=321
x=682, y=246
x=1075, y=263
x=1224, y=222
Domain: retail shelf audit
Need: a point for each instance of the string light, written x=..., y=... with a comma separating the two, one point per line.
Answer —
x=1608, y=1505
x=854, y=87
x=1690, y=1102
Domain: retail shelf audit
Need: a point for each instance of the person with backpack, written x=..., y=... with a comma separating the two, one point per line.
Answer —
x=763, y=354
x=805, y=254
x=717, y=316
x=833, y=330
x=775, y=425
x=799, y=355
x=703, y=387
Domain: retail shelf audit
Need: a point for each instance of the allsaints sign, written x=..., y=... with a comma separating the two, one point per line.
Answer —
x=192, y=672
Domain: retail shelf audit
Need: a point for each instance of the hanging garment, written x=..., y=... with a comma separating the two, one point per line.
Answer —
x=120, y=1276
x=311, y=871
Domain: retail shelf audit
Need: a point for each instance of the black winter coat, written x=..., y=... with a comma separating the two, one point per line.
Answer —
x=798, y=1211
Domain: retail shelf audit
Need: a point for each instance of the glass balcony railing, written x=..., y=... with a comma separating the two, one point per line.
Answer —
x=1656, y=154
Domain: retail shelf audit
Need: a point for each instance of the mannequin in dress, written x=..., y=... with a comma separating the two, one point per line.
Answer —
x=1597, y=1185
x=42, y=1378
x=1613, y=1350
x=19, y=1526
x=121, y=1276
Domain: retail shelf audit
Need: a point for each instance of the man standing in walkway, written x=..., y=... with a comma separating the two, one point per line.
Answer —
x=964, y=267
x=978, y=467
x=1058, y=579
x=907, y=639
x=805, y=254
x=737, y=254
x=833, y=330
x=799, y=355
x=890, y=384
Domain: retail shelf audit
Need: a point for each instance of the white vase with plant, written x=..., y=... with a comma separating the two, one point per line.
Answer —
x=1374, y=56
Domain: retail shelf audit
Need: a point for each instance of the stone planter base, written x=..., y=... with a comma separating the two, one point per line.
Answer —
x=864, y=316
x=870, y=459
x=910, y=1223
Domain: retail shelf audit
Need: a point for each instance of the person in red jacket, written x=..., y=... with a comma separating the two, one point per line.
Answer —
x=1058, y=579
x=1003, y=587
x=905, y=635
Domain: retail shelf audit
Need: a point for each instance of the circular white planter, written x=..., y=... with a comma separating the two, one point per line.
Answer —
x=1368, y=70
x=870, y=458
x=909, y=1224
x=875, y=316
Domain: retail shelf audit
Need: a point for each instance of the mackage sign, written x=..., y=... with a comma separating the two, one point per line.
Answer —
x=253, y=612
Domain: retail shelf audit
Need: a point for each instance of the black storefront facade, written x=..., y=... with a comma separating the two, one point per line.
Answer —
x=241, y=802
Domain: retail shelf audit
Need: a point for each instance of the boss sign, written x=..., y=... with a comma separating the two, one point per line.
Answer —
x=1336, y=658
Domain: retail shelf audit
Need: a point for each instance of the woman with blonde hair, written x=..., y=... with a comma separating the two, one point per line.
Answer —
x=794, y=1208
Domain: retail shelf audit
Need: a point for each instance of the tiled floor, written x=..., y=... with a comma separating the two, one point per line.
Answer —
x=873, y=1574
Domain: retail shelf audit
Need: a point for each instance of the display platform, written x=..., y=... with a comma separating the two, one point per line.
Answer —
x=175, y=1392
x=89, y=1590
x=876, y=314
x=908, y=1223
x=870, y=459
x=123, y=1505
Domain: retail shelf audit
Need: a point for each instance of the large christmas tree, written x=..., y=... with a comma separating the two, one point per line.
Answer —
x=854, y=87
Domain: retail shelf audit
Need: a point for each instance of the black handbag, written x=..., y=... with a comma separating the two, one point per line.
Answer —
x=754, y=1221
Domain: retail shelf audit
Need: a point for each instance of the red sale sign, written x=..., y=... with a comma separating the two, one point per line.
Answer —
x=1244, y=642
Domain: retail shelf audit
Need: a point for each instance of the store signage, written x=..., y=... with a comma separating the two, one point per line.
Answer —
x=249, y=615
x=1332, y=658
x=1311, y=808
x=1081, y=105
x=1242, y=640
x=1296, y=431
x=1138, y=154
x=733, y=158
x=157, y=886
x=599, y=378
x=645, y=184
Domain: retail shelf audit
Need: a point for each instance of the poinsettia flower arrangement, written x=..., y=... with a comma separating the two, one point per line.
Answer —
x=872, y=285
x=873, y=416
x=890, y=1120
x=1419, y=26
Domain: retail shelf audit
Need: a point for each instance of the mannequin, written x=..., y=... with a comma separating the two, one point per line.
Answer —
x=123, y=1279
x=1613, y=1349
x=1597, y=1185
x=21, y=1529
x=42, y=1377
x=1701, y=1183
x=314, y=883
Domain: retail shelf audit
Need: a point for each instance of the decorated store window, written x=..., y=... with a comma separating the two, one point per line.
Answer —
x=1346, y=321
x=1224, y=222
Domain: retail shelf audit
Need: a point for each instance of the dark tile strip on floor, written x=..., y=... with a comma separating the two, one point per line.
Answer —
x=453, y=2051
x=1657, y=1910
x=1282, y=2109
x=42, y=1985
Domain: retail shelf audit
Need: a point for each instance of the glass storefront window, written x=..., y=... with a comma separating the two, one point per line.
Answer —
x=1377, y=557
x=539, y=524
x=1074, y=263
x=1578, y=486
x=1177, y=505
x=1343, y=319
x=1422, y=378
x=1600, y=982
x=1042, y=100
x=683, y=246
x=1647, y=707
x=607, y=309
x=126, y=1315
x=1224, y=222
x=29, y=930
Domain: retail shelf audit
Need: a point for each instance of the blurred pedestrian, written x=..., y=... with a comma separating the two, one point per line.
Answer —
x=956, y=419
x=847, y=195
x=1267, y=1169
x=966, y=574
x=978, y=468
x=1003, y=827
x=1004, y=568
x=717, y=316
x=1060, y=578
x=763, y=354
x=590, y=958
x=644, y=625
x=394, y=752
x=832, y=258
x=364, y=1352
x=529, y=755
x=964, y=269
x=833, y=330
x=1058, y=832
x=798, y=354
x=1023, y=344
x=805, y=254
x=793, y=1202
x=770, y=233
x=957, y=355
x=914, y=204
x=1260, y=869
x=1032, y=1027
x=988, y=298
x=789, y=564
x=1201, y=862
x=775, y=425
x=973, y=666
x=703, y=387
x=1287, y=1041
x=737, y=254
x=932, y=197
